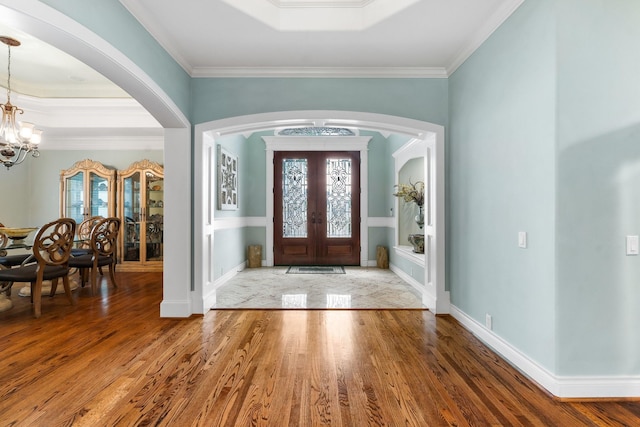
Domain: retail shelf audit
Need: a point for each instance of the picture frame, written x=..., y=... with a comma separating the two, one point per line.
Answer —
x=227, y=179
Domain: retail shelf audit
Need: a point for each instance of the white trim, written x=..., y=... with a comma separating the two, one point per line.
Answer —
x=480, y=36
x=92, y=142
x=204, y=167
x=407, y=253
x=321, y=72
x=561, y=386
x=233, y=272
x=381, y=221
x=239, y=222
x=175, y=308
x=177, y=298
x=210, y=299
x=316, y=143
x=410, y=280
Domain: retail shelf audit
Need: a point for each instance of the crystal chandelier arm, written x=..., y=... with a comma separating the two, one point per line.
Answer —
x=16, y=139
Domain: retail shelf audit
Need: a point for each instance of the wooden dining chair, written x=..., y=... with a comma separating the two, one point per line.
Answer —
x=103, y=241
x=84, y=234
x=51, y=250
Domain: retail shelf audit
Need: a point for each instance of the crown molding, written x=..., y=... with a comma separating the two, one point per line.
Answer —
x=139, y=12
x=321, y=3
x=483, y=34
x=59, y=113
x=321, y=72
x=101, y=142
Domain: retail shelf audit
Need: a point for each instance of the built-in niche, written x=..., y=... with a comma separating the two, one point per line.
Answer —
x=411, y=169
x=411, y=172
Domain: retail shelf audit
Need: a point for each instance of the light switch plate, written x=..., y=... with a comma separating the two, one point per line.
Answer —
x=632, y=245
x=522, y=239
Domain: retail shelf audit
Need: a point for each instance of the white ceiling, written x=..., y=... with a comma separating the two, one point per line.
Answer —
x=39, y=69
x=426, y=37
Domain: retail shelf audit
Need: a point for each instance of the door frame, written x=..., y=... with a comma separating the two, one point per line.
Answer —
x=318, y=143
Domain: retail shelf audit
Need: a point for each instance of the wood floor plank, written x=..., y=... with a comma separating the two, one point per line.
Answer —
x=111, y=360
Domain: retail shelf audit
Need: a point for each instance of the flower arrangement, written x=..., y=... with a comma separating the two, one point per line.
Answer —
x=412, y=192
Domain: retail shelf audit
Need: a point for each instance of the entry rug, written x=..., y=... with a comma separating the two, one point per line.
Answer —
x=315, y=269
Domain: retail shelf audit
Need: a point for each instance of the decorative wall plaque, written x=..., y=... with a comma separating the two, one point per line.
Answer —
x=227, y=180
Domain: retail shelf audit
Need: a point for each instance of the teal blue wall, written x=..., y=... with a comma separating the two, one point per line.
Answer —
x=230, y=250
x=231, y=244
x=255, y=168
x=14, y=206
x=501, y=180
x=44, y=176
x=421, y=99
x=112, y=21
x=598, y=199
x=380, y=175
x=41, y=176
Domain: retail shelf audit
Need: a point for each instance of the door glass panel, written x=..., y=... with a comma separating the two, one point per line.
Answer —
x=294, y=197
x=75, y=197
x=338, y=198
x=132, y=217
x=154, y=217
x=98, y=188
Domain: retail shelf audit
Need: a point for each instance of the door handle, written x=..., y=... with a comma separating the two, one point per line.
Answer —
x=313, y=217
x=319, y=217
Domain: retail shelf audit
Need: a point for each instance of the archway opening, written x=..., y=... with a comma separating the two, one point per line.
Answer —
x=210, y=224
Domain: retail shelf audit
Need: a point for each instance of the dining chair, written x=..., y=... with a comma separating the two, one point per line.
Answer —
x=51, y=250
x=84, y=234
x=103, y=241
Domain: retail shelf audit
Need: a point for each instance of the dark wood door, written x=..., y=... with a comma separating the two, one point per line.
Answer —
x=317, y=208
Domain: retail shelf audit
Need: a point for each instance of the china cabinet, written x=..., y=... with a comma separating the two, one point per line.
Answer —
x=141, y=209
x=87, y=189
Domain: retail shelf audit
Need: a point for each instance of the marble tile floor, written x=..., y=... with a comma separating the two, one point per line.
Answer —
x=358, y=288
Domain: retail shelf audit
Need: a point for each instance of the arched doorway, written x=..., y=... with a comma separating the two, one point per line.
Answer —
x=62, y=32
x=435, y=296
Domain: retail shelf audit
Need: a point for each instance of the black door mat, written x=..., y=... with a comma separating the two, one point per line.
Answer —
x=315, y=269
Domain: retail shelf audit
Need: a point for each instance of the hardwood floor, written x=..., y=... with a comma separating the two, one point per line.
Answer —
x=111, y=360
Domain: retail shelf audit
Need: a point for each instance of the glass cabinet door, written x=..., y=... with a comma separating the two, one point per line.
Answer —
x=74, y=197
x=141, y=207
x=87, y=189
x=154, y=216
x=131, y=198
x=99, y=191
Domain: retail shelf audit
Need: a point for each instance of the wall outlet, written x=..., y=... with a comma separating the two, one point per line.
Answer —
x=488, y=321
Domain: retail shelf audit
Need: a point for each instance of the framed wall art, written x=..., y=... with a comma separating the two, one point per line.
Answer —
x=227, y=180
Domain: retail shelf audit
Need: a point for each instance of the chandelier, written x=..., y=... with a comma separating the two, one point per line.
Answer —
x=17, y=139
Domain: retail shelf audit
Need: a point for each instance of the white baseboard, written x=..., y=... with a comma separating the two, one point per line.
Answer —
x=410, y=280
x=175, y=308
x=229, y=275
x=583, y=387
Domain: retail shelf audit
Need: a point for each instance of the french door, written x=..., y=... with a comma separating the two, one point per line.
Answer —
x=316, y=208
